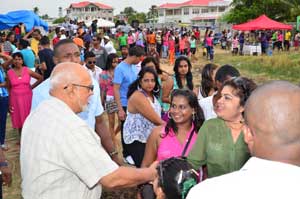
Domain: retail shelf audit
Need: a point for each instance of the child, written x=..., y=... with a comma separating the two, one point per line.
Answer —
x=193, y=47
x=175, y=178
x=235, y=43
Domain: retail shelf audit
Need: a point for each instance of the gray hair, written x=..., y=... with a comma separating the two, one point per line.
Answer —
x=62, y=75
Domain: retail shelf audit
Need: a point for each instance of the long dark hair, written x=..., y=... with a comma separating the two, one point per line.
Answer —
x=150, y=59
x=189, y=76
x=136, y=84
x=193, y=102
x=207, y=82
x=109, y=60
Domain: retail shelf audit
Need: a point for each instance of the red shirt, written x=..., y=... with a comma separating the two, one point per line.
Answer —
x=55, y=40
x=197, y=35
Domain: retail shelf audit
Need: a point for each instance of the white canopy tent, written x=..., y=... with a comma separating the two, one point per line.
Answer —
x=101, y=23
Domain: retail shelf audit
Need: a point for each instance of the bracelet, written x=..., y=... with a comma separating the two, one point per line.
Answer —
x=111, y=154
x=3, y=164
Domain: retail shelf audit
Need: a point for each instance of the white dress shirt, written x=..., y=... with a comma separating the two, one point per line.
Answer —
x=258, y=179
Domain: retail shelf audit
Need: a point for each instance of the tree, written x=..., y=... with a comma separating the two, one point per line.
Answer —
x=244, y=10
x=36, y=10
x=59, y=20
x=153, y=13
x=45, y=16
x=128, y=11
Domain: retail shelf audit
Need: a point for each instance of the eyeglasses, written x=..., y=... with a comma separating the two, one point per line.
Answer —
x=91, y=62
x=89, y=87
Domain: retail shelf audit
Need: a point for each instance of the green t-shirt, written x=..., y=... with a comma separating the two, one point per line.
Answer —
x=215, y=148
x=123, y=40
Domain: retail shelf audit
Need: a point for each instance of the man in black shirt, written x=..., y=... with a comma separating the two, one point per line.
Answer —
x=46, y=57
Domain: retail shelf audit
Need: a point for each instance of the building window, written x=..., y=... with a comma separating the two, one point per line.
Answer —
x=222, y=9
x=196, y=11
x=87, y=9
x=205, y=10
x=93, y=9
x=177, y=12
x=213, y=10
x=110, y=19
x=110, y=11
x=169, y=12
x=161, y=12
x=186, y=11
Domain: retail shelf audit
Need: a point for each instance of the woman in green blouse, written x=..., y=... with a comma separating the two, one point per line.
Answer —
x=220, y=143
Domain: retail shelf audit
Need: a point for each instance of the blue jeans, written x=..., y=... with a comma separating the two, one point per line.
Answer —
x=3, y=117
x=165, y=52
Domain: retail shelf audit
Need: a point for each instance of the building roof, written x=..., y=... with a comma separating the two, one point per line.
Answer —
x=193, y=3
x=83, y=4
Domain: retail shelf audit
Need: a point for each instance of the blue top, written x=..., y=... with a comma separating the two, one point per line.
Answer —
x=94, y=109
x=3, y=90
x=124, y=75
x=28, y=57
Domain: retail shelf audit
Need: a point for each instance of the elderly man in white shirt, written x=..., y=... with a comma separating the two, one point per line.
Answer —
x=272, y=117
x=108, y=45
x=61, y=156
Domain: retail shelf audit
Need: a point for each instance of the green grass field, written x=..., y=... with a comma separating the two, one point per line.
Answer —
x=280, y=66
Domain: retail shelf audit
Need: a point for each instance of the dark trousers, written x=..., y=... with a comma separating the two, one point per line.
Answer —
x=3, y=117
x=287, y=45
x=125, y=152
x=136, y=150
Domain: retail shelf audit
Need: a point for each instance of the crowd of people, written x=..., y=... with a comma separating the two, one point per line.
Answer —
x=70, y=95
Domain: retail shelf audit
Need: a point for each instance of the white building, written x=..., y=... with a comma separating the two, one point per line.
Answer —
x=87, y=11
x=193, y=12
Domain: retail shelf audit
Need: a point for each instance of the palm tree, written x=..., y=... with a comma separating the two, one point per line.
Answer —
x=36, y=10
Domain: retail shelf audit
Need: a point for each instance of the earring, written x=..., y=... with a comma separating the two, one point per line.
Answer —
x=156, y=91
x=193, y=117
x=139, y=88
x=169, y=116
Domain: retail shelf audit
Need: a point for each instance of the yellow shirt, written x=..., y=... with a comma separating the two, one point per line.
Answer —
x=287, y=36
x=34, y=44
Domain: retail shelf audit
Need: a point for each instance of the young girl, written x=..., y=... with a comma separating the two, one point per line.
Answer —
x=193, y=47
x=235, y=43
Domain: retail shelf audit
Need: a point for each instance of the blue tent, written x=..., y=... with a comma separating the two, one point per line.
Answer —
x=27, y=17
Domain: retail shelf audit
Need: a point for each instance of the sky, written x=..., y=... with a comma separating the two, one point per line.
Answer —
x=50, y=7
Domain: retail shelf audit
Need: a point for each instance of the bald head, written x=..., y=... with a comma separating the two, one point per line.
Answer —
x=66, y=73
x=273, y=114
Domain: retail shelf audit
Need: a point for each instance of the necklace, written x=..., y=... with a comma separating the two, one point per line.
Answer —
x=233, y=127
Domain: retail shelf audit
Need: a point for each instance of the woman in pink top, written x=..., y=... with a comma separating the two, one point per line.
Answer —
x=210, y=46
x=20, y=90
x=130, y=39
x=178, y=136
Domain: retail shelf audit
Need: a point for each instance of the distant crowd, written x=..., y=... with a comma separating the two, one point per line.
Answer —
x=70, y=95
